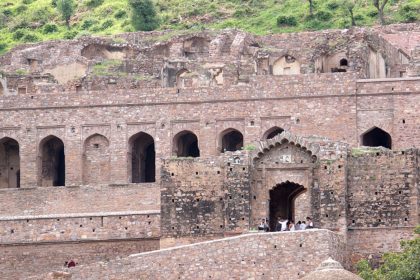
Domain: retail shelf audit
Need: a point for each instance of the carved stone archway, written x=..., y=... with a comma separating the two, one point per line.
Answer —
x=283, y=161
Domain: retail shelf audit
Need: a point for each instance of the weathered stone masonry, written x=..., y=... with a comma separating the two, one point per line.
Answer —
x=145, y=141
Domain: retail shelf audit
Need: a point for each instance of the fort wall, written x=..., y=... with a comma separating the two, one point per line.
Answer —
x=268, y=255
x=159, y=140
x=326, y=116
x=20, y=261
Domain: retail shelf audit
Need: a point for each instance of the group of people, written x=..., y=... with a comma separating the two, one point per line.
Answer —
x=286, y=225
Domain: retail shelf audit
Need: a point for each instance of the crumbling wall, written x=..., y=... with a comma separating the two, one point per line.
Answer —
x=382, y=199
x=204, y=197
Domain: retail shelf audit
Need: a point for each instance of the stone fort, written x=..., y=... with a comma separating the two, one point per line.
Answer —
x=179, y=143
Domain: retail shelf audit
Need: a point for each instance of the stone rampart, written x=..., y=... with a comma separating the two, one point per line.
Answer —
x=286, y=255
x=19, y=261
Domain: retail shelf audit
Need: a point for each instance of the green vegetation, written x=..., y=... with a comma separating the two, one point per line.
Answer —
x=396, y=266
x=66, y=9
x=109, y=67
x=26, y=21
x=249, y=147
x=143, y=15
x=364, y=151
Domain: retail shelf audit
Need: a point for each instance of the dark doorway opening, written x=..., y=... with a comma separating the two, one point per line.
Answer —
x=53, y=166
x=376, y=137
x=344, y=62
x=232, y=141
x=282, y=202
x=185, y=144
x=273, y=132
x=143, y=158
x=9, y=163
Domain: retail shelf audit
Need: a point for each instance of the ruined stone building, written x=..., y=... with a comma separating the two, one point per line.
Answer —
x=120, y=145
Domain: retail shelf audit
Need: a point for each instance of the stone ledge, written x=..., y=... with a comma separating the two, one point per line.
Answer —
x=80, y=215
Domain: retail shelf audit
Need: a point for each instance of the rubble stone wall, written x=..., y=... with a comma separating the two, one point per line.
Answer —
x=269, y=255
x=382, y=200
x=20, y=261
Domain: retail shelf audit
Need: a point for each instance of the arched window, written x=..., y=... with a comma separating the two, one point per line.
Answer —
x=231, y=140
x=96, y=160
x=272, y=132
x=185, y=144
x=344, y=62
x=51, y=168
x=142, y=157
x=9, y=163
x=376, y=137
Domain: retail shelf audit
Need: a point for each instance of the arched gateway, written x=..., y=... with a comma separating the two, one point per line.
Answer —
x=282, y=179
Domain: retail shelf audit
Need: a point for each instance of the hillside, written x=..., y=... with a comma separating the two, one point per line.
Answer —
x=23, y=21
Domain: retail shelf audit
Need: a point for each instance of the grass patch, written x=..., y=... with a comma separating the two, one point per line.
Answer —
x=109, y=67
x=24, y=21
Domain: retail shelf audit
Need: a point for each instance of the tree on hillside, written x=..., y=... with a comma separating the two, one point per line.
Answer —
x=143, y=15
x=349, y=8
x=380, y=6
x=66, y=8
x=311, y=7
x=396, y=266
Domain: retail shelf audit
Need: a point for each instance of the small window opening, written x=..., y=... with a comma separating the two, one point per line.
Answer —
x=344, y=62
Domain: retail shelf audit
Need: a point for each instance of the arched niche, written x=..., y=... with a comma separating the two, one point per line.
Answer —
x=52, y=163
x=376, y=137
x=96, y=160
x=231, y=140
x=9, y=163
x=333, y=63
x=185, y=144
x=272, y=132
x=142, y=158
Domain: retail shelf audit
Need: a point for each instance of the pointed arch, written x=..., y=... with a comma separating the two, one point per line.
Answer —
x=9, y=163
x=51, y=163
x=282, y=201
x=272, y=132
x=185, y=144
x=96, y=160
x=231, y=140
x=141, y=158
x=376, y=137
x=286, y=137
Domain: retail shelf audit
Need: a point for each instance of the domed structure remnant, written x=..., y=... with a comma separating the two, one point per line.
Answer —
x=331, y=270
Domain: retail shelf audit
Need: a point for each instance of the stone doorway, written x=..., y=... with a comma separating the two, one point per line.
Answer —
x=142, y=158
x=282, y=202
x=52, y=162
x=9, y=163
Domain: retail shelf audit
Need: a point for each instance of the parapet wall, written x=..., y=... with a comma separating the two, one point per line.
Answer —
x=19, y=261
x=81, y=200
x=287, y=255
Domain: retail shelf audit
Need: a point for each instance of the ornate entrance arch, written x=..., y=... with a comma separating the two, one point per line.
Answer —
x=283, y=176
